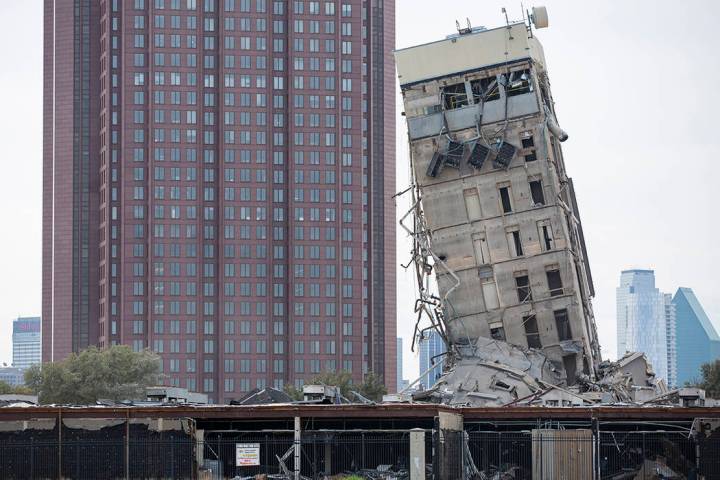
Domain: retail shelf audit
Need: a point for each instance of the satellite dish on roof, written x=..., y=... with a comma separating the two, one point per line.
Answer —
x=539, y=17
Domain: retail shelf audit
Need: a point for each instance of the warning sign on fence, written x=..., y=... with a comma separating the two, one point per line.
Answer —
x=247, y=454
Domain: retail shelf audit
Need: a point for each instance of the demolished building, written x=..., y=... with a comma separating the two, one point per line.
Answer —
x=494, y=218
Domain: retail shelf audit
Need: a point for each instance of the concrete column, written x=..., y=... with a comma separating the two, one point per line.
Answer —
x=199, y=449
x=328, y=457
x=297, y=449
x=417, y=454
x=450, y=451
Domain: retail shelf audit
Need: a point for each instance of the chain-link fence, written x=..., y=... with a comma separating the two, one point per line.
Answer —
x=539, y=454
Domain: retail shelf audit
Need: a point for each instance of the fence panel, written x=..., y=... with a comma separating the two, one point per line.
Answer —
x=649, y=455
x=500, y=453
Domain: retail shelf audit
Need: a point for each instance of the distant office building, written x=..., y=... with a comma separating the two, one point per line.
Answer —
x=697, y=340
x=645, y=321
x=13, y=376
x=26, y=341
x=671, y=339
x=431, y=345
x=399, y=366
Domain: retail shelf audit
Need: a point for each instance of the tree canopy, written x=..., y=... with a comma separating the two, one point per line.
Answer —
x=372, y=387
x=6, y=388
x=710, y=381
x=116, y=373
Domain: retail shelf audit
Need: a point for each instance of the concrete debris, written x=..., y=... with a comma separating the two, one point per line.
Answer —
x=657, y=470
x=383, y=472
x=265, y=396
x=496, y=373
x=628, y=380
x=17, y=400
x=492, y=372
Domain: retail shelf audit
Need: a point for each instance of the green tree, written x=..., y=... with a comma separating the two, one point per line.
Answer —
x=710, y=381
x=116, y=373
x=6, y=388
x=372, y=387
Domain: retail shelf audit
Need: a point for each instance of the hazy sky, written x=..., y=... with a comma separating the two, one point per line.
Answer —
x=633, y=85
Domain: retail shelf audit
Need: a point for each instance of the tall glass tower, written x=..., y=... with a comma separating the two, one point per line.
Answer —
x=697, y=340
x=431, y=345
x=645, y=323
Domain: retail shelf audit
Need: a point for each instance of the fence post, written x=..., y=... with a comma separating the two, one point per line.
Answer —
x=60, y=424
x=297, y=449
x=417, y=454
x=327, y=456
x=127, y=443
x=451, y=445
x=199, y=450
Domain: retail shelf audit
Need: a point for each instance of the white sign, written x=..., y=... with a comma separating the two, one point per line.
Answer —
x=247, y=454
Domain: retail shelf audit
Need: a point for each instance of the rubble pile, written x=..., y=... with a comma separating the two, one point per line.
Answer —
x=496, y=373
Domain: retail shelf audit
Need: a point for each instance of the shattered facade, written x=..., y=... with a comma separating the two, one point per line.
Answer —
x=494, y=216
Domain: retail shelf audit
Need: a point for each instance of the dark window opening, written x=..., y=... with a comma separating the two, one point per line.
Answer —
x=485, y=89
x=536, y=191
x=570, y=364
x=530, y=157
x=547, y=238
x=517, y=243
x=554, y=283
x=505, y=199
x=531, y=331
x=522, y=283
x=497, y=333
x=586, y=366
x=562, y=322
x=518, y=83
x=528, y=142
x=455, y=96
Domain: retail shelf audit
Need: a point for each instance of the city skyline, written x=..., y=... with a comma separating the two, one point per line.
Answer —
x=619, y=235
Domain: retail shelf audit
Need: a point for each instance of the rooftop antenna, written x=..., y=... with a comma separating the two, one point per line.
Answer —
x=507, y=20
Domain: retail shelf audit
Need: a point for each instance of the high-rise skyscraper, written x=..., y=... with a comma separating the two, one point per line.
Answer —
x=431, y=347
x=697, y=340
x=217, y=187
x=670, y=339
x=26, y=341
x=645, y=321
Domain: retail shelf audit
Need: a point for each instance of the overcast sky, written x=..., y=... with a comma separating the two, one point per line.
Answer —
x=633, y=83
